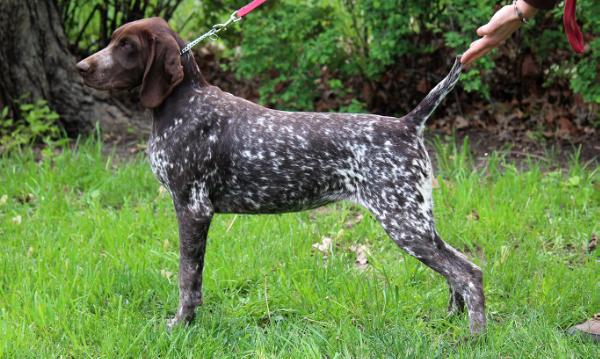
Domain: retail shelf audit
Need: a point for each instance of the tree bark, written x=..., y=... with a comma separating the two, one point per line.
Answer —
x=35, y=63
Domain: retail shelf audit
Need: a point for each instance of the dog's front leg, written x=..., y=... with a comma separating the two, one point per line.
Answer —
x=194, y=217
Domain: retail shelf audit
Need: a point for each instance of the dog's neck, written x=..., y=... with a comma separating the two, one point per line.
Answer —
x=177, y=101
x=191, y=71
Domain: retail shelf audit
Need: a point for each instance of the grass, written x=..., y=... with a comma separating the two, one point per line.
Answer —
x=89, y=260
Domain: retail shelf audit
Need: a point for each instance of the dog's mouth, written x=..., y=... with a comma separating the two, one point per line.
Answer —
x=93, y=84
x=105, y=85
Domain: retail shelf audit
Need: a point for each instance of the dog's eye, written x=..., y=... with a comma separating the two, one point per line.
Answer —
x=125, y=44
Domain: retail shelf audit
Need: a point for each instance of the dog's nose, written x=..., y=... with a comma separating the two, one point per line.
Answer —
x=83, y=67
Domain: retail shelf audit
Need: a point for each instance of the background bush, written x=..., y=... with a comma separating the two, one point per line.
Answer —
x=356, y=54
x=293, y=45
x=38, y=124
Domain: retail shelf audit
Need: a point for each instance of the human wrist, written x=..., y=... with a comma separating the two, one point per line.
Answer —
x=527, y=10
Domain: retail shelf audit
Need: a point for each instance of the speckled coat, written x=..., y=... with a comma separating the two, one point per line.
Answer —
x=217, y=153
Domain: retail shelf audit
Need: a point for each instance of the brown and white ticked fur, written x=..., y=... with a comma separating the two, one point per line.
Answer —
x=217, y=153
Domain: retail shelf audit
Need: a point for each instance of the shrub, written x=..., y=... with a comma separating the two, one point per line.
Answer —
x=586, y=75
x=304, y=51
x=38, y=124
x=294, y=45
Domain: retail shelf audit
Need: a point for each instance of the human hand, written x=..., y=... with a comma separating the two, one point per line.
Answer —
x=504, y=22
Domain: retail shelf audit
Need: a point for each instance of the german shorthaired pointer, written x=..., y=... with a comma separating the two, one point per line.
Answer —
x=217, y=153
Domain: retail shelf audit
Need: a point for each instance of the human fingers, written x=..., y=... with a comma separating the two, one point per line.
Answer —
x=476, y=50
x=500, y=18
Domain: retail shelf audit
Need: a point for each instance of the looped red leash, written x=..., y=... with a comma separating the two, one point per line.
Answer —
x=235, y=17
x=572, y=29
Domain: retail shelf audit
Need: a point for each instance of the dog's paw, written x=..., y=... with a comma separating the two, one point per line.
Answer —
x=183, y=317
x=172, y=323
x=477, y=323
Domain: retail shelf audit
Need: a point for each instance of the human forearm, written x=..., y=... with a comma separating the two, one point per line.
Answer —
x=542, y=4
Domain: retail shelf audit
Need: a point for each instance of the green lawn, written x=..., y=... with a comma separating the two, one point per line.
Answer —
x=88, y=268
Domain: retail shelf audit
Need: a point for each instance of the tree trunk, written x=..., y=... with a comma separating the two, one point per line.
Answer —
x=35, y=63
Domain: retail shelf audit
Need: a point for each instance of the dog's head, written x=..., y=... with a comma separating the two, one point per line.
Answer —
x=143, y=52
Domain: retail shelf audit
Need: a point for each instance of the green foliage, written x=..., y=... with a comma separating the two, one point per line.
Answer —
x=585, y=79
x=90, y=23
x=300, y=50
x=38, y=123
x=290, y=57
x=293, y=45
x=586, y=76
x=459, y=24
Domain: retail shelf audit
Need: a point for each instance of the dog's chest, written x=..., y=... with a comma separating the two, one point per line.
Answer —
x=178, y=155
x=164, y=162
x=160, y=160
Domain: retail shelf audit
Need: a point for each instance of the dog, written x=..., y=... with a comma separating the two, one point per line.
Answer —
x=217, y=153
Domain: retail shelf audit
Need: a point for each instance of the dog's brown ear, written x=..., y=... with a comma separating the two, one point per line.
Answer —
x=163, y=70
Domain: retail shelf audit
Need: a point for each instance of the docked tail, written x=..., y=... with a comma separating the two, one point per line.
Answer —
x=421, y=113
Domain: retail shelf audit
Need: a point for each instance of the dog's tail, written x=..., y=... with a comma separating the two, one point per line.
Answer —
x=421, y=113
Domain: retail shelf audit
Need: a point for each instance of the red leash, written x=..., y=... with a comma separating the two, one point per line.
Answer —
x=249, y=8
x=572, y=30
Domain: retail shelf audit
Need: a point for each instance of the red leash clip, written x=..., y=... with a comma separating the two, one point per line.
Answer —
x=235, y=17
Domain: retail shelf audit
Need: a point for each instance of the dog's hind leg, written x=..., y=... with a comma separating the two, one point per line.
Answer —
x=409, y=222
x=464, y=278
